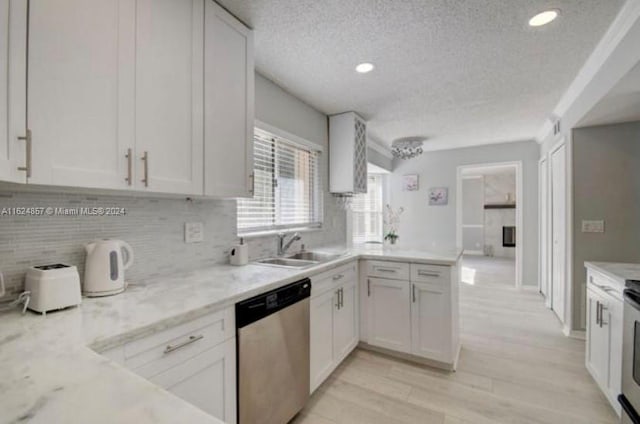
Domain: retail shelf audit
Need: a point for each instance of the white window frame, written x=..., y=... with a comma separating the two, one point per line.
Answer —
x=383, y=184
x=298, y=142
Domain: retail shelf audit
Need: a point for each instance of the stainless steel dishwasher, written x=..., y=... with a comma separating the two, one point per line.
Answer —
x=273, y=354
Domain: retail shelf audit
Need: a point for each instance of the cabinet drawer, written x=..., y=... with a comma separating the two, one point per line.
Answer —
x=327, y=280
x=430, y=273
x=599, y=282
x=154, y=354
x=389, y=270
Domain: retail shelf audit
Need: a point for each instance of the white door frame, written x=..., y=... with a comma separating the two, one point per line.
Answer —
x=543, y=249
x=519, y=208
x=568, y=282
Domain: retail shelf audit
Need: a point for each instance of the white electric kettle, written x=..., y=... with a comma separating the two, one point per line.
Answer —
x=104, y=267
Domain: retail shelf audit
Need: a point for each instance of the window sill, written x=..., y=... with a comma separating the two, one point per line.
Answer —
x=258, y=234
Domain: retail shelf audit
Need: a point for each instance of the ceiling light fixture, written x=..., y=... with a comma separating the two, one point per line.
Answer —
x=407, y=148
x=365, y=67
x=544, y=18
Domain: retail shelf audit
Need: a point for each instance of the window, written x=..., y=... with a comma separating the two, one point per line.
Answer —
x=368, y=212
x=287, y=191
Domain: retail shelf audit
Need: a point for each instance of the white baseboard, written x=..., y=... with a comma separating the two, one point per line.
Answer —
x=574, y=334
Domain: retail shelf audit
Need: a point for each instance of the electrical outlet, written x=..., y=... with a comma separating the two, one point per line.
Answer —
x=193, y=232
x=592, y=226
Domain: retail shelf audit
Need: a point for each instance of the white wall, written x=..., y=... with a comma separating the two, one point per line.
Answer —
x=435, y=226
x=473, y=214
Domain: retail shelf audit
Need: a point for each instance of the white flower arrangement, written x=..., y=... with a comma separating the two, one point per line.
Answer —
x=392, y=221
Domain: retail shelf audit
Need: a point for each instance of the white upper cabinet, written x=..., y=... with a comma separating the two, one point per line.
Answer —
x=348, y=154
x=169, y=95
x=228, y=104
x=13, y=86
x=81, y=91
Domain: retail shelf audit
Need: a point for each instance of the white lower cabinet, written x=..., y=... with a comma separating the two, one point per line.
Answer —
x=195, y=361
x=333, y=321
x=204, y=380
x=389, y=314
x=430, y=322
x=415, y=313
x=603, y=355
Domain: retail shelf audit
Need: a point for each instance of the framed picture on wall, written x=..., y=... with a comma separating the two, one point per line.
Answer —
x=410, y=182
x=438, y=196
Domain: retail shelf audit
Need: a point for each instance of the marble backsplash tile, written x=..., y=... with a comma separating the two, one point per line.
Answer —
x=154, y=226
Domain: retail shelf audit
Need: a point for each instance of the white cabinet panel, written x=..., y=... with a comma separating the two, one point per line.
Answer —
x=345, y=324
x=389, y=314
x=13, y=86
x=430, y=322
x=228, y=104
x=207, y=380
x=321, y=337
x=169, y=95
x=597, y=355
x=81, y=91
x=613, y=317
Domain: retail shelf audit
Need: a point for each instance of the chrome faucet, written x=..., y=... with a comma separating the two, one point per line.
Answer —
x=282, y=246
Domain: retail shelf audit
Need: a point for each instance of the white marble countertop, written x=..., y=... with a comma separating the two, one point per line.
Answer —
x=618, y=272
x=50, y=373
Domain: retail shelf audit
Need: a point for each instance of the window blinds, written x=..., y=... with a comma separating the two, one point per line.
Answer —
x=287, y=191
x=368, y=212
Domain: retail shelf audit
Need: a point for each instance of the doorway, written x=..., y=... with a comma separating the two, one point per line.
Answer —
x=489, y=219
x=558, y=230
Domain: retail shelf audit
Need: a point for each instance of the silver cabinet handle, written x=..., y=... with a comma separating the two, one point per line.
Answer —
x=337, y=299
x=597, y=312
x=191, y=339
x=341, y=297
x=387, y=269
x=145, y=159
x=413, y=287
x=602, y=309
x=368, y=288
x=129, y=157
x=28, y=144
x=338, y=277
x=428, y=274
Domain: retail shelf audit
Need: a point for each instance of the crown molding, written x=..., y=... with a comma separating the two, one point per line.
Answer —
x=624, y=22
x=379, y=147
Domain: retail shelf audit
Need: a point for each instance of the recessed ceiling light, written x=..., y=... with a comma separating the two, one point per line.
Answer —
x=544, y=18
x=363, y=68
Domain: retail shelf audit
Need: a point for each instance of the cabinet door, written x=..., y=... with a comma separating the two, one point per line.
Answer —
x=345, y=323
x=321, y=337
x=389, y=314
x=597, y=355
x=430, y=321
x=612, y=319
x=169, y=85
x=81, y=91
x=228, y=105
x=207, y=380
x=13, y=89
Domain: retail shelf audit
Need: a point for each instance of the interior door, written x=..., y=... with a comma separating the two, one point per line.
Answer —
x=228, y=104
x=169, y=95
x=13, y=89
x=543, y=180
x=389, y=314
x=558, y=231
x=81, y=91
x=345, y=325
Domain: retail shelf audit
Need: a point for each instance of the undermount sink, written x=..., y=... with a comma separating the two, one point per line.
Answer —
x=299, y=260
x=314, y=256
x=286, y=262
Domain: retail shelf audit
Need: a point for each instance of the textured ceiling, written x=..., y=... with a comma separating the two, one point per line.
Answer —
x=621, y=104
x=459, y=72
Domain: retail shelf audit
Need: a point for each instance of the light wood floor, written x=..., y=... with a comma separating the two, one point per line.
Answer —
x=515, y=367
